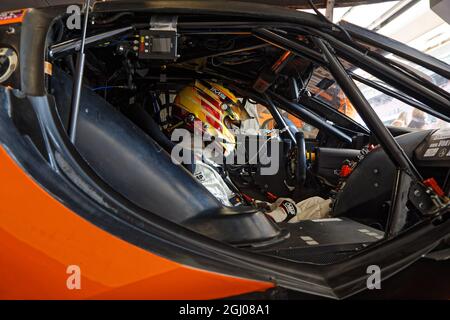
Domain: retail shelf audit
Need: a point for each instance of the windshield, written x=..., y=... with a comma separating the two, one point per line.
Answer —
x=391, y=111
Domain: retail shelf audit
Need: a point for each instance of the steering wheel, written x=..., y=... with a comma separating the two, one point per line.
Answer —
x=300, y=170
x=297, y=172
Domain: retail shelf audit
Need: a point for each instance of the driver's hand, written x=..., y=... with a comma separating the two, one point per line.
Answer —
x=286, y=210
x=283, y=210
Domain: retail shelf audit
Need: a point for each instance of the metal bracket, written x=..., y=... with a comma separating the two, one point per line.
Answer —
x=422, y=198
x=164, y=23
x=160, y=40
x=330, y=9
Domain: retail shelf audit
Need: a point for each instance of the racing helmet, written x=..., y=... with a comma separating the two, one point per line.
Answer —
x=216, y=107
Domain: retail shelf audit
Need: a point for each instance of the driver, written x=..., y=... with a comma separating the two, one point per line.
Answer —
x=216, y=112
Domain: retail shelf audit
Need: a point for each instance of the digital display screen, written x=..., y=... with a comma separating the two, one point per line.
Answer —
x=157, y=44
x=161, y=45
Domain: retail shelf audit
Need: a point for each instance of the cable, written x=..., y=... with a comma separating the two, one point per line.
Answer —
x=109, y=87
x=113, y=18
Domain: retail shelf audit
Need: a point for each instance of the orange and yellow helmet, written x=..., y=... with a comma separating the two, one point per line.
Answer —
x=216, y=107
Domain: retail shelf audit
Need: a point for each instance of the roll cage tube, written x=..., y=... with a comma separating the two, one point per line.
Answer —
x=386, y=140
x=397, y=48
x=282, y=125
x=78, y=81
x=309, y=117
x=274, y=112
x=399, y=96
x=407, y=176
x=297, y=110
x=66, y=47
x=324, y=109
x=390, y=75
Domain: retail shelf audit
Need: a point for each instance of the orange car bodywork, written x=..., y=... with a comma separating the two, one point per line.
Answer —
x=10, y=17
x=40, y=238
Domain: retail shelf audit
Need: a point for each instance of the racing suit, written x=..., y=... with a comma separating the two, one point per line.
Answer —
x=282, y=210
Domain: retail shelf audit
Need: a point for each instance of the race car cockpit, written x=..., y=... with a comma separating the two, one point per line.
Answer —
x=121, y=110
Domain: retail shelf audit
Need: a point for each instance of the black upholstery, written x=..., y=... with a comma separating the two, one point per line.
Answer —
x=140, y=169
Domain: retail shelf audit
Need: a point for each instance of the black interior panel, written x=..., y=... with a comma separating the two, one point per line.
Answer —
x=137, y=167
x=324, y=241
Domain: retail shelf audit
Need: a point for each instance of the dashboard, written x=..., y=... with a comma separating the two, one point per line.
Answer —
x=367, y=190
x=434, y=151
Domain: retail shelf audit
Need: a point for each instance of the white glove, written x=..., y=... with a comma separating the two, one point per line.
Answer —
x=285, y=209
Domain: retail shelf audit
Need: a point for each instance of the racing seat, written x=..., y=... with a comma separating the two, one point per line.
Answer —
x=136, y=166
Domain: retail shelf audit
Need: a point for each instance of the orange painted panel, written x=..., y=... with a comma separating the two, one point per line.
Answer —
x=10, y=17
x=40, y=238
